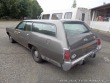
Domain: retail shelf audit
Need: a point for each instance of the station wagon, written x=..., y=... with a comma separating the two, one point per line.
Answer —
x=64, y=43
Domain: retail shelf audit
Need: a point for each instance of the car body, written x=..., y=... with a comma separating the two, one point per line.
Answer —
x=64, y=43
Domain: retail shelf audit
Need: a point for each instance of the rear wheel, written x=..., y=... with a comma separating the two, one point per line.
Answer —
x=11, y=39
x=36, y=55
x=93, y=56
x=82, y=62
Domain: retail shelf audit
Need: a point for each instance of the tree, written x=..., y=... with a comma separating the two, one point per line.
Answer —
x=20, y=8
x=74, y=4
x=4, y=7
x=36, y=9
x=14, y=8
x=1, y=13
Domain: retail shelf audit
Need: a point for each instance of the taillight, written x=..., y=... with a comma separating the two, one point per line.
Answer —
x=67, y=55
x=98, y=41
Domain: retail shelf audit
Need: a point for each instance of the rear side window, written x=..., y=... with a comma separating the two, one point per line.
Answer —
x=46, y=16
x=68, y=15
x=37, y=27
x=73, y=29
x=57, y=16
x=43, y=28
x=28, y=26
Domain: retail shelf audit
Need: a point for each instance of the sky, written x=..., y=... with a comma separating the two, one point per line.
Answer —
x=49, y=5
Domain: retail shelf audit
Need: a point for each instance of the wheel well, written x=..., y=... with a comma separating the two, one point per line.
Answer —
x=8, y=33
x=30, y=46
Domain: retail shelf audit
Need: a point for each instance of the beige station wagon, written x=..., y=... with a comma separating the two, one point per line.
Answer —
x=64, y=43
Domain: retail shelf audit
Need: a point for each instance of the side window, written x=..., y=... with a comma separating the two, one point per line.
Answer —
x=21, y=26
x=68, y=15
x=46, y=16
x=28, y=26
x=56, y=16
x=36, y=27
x=47, y=29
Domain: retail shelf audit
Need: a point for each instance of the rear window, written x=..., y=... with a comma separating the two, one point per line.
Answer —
x=46, y=16
x=73, y=29
x=57, y=16
x=68, y=15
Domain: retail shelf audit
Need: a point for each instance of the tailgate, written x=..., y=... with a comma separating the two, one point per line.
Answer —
x=83, y=45
x=80, y=39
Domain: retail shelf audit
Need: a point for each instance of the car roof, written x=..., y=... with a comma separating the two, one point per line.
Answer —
x=53, y=21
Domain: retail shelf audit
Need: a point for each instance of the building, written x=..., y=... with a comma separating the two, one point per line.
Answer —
x=100, y=17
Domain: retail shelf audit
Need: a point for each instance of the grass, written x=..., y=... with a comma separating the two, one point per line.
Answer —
x=10, y=19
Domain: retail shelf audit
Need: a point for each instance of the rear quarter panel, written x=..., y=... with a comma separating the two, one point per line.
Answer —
x=54, y=50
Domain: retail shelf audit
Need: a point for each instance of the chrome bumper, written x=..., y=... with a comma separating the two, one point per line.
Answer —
x=67, y=65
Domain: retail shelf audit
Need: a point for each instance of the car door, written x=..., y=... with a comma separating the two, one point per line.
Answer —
x=18, y=30
x=25, y=35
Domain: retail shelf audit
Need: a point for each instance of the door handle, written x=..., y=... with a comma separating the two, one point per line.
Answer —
x=85, y=39
x=15, y=31
x=18, y=32
x=27, y=34
x=47, y=41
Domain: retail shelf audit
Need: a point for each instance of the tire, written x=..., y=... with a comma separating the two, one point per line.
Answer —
x=93, y=56
x=11, y=39
x=82, y=62
x=36, y=55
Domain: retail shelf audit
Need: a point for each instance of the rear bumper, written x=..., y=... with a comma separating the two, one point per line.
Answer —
x=68, y=65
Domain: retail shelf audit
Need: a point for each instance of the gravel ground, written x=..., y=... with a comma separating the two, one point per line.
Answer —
x=103, y=35
x=4, y=24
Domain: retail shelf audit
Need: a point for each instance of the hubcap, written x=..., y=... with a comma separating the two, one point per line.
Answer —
x=36, y=54
x=10, y=38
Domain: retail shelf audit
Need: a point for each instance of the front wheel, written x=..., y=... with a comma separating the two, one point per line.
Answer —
x=11, y=39
x=36, y=55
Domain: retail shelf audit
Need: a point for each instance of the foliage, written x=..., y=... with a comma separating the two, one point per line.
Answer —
x=20, y=8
